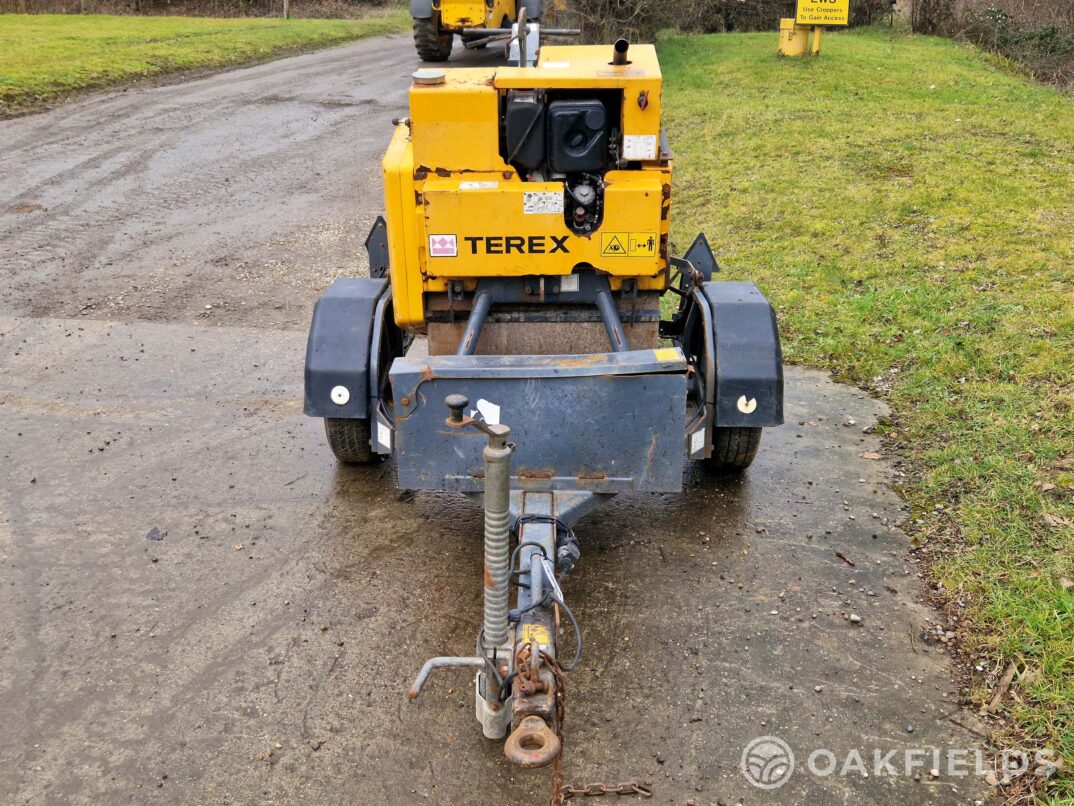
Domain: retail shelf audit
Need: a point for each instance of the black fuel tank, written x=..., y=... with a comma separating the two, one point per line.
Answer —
x=578, y=136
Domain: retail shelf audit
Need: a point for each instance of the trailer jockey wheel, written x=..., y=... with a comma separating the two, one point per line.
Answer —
x=349, y=440
x=733, y=449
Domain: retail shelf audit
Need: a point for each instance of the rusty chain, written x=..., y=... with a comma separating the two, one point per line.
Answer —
x=560, y=791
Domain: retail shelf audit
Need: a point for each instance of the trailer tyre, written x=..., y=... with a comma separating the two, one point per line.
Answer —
x=349, y=440
x=432, y=44
x=733, y=449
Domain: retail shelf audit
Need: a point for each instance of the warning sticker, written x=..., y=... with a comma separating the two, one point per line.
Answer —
x=639, y=146
x=628, y=244
x=542, y=201
x=666, y=354
x=535, y=633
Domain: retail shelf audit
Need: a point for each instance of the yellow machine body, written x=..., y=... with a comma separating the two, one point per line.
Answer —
x=456, y=14
x=458, y=211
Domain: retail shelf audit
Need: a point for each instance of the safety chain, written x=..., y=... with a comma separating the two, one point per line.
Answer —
x=561, y=791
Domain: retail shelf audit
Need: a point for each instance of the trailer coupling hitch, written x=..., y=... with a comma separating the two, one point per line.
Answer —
x=532, y=743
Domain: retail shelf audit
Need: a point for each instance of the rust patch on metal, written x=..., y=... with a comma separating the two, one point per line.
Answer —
x=532, y=744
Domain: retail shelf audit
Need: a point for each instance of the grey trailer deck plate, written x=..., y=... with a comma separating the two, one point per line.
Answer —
x=605, y=423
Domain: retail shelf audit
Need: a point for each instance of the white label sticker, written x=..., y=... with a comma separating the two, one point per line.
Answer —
x=489, y=412
x=384, y=436
x=639, y=146
x=542, y=201
x=569, y=283
x=443, y=246
x=478, y=185
x=697, y=442
x=555, y=65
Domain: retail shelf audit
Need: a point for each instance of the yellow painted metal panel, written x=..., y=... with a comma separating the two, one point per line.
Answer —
x=401, y=216
x=455, y=125
x=486, y=232
x=456, y=14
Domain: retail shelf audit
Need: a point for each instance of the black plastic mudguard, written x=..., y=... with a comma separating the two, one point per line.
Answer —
x=337, y=352
x=748, y=358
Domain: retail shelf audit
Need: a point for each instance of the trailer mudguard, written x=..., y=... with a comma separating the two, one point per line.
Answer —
x=748, y=358
x=421, y=9
x=337, y=352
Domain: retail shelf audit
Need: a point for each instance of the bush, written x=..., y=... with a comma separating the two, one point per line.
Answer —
x=603, y=20
x=1045, y=45
x=931, y=16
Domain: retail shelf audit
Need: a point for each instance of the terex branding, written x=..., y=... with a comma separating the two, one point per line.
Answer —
x=516, y=244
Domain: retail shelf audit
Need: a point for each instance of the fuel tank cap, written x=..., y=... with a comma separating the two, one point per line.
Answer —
x=429, y=76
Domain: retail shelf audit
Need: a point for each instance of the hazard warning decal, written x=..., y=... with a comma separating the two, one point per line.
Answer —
x=628, y=244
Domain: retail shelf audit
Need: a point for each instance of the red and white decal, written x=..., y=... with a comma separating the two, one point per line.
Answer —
x=443, y=246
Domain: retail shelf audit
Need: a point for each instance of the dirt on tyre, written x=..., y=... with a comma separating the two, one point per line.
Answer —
x=349, y=441
x=733, y=449
x=432, y=44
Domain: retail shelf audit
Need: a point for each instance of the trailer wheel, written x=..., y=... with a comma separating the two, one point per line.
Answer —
x=432, y=44
x=349, y=440
x=733, y=449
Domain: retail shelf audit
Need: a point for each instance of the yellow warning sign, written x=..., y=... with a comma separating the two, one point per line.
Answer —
x=628, y=244
x=823, y=12
x=666, y=354
x=535, y=633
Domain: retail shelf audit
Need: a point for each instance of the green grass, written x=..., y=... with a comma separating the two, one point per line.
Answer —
x=43, y=56
x=909, y=208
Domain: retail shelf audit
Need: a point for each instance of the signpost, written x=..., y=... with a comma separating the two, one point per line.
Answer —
x=815, y=14
x=823, y=12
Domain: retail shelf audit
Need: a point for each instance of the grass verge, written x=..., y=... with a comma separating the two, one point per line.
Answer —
x=44, y=56
x=909, y=209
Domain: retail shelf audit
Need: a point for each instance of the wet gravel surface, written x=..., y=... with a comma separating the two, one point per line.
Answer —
x=201, y=606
